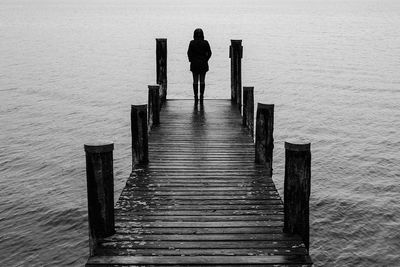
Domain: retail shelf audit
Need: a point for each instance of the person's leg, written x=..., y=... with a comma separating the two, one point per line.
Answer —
x=195, y=86
x=202, y=85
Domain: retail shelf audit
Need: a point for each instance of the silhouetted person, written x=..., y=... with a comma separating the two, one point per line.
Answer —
x=199, y=53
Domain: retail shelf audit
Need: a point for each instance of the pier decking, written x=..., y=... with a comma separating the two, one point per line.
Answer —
x=202, y=199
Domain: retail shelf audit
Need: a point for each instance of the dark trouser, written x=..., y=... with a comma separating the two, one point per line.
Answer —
x=196, y=78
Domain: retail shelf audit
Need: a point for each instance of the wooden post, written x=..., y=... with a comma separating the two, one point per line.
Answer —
x=100, y=190
x=297, y=189
x=264, y=135
x=154, y=106
x=248, y=109
x=161, y=69
x=139, y=130
x=236, y=54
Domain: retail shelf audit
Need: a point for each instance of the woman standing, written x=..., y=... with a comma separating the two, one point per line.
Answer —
x=199, y=53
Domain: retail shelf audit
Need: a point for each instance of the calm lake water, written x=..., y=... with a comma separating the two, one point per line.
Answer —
x=70, y=70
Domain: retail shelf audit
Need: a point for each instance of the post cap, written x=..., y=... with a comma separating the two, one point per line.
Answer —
x=265, y=106
x=297, y=147
x=99, y=147
x=139, y=107
x=154, y=87
x=248, y=88
x=236, y=41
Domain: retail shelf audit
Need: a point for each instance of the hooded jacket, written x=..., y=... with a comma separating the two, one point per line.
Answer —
x=199, y=53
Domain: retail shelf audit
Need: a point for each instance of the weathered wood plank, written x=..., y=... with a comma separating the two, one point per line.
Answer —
x=206, y=188
x=141, y=205
x=244, y=175
x=201, y=196
x=222, y=224
x=202, y=230
x=190, y=218
x=223, y=260
x=177, y=185
x=160, y=202
x=208, y=199
x=201, y=212
x=201, y=244
x=203, y=252
x=210, y=194
x=200, y=237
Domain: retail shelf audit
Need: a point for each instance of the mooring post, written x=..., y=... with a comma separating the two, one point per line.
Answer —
x=154, y=106
x=161, y=67
x=264, y=135
x=100, y=191
x=236, y=54
x=297, y=187
x=248, y=109
x=139, y=130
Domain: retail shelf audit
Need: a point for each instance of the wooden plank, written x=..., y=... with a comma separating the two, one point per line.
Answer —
x=202, y=260
x=206, y=143
x=175, y=191
x=202, y=230
x=182, y=202
x=177, y=185
x=188, y=176
x=208, y=199
x=190, y=183
x=165, y=177
x=203, y=252
x=139, y=206
x=200, y=237
x=200, y=197
x=198, y=213
x=238, y=195
x=208, y=187
x=190, y=218
x=179, y=160
x=160, y=244
x=171, y=203
x=178, y=224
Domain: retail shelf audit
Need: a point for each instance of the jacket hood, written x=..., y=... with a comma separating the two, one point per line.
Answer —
x=198, y=34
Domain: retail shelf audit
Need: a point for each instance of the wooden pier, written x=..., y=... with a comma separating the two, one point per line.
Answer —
x=201, y=191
